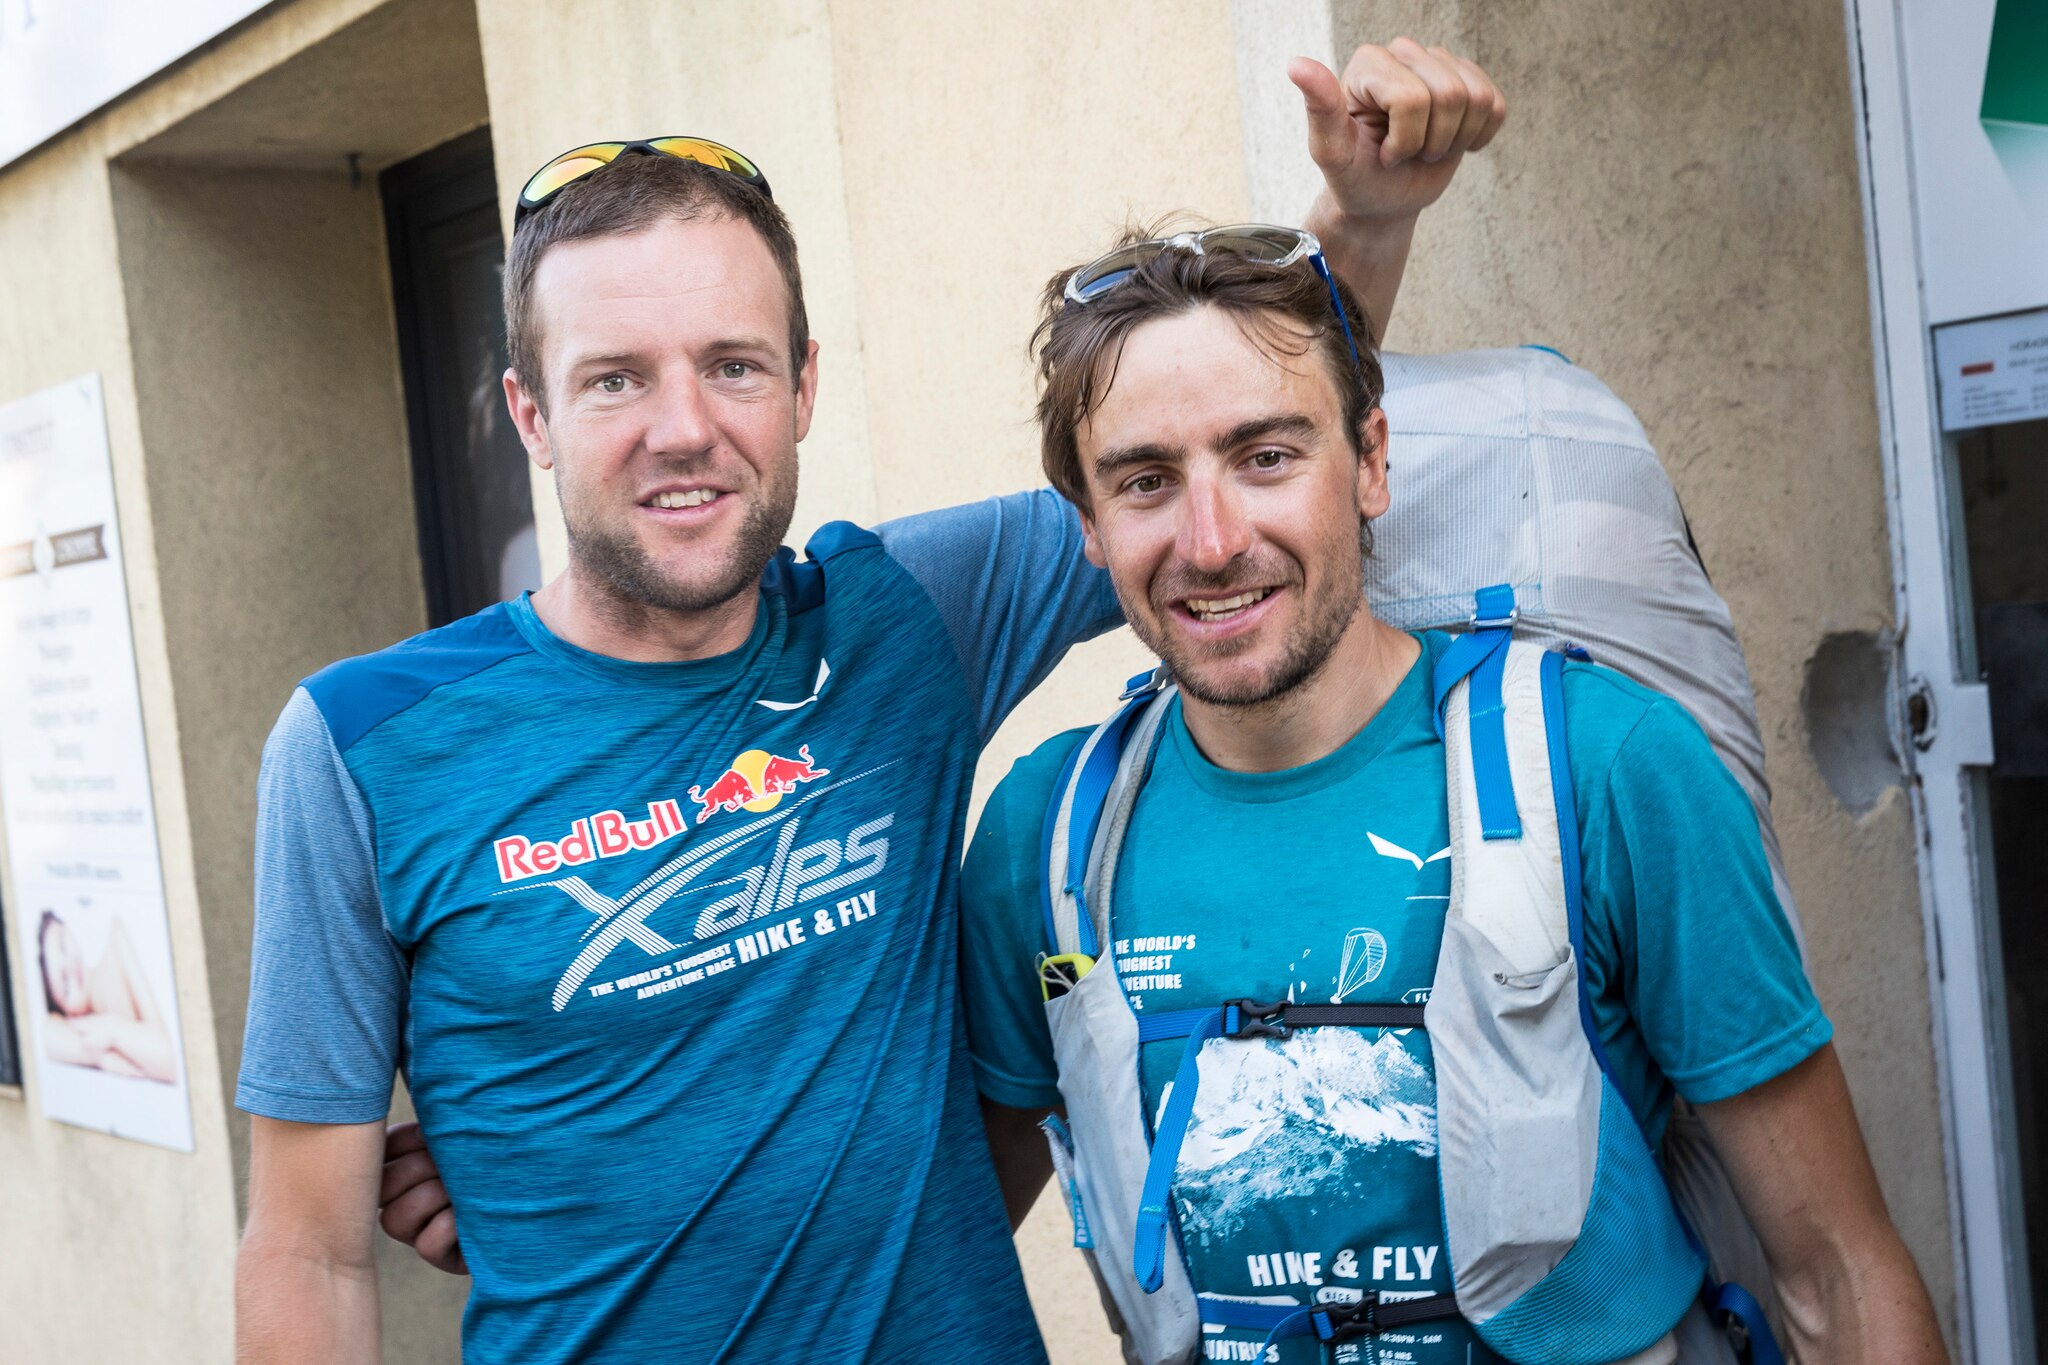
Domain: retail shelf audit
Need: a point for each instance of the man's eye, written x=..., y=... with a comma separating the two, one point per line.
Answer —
x=735, y=369
x=1146, y=484
x=612, y=383
x=1269, y=459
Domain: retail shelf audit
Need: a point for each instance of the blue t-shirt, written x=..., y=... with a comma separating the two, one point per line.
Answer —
x=1309, y=1168
x=667, y=951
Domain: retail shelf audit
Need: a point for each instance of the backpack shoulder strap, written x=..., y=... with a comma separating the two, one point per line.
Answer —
x=1511, y=874
x=1090, y=810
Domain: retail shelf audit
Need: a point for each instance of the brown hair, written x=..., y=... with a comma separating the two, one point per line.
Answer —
x=630, y=195
x=1077, y=346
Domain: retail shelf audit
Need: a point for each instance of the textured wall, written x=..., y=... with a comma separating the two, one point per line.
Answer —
x=759, y=77
x=1674, y=204
x=201, y=246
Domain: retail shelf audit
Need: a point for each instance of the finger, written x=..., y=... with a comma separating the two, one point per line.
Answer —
x=439, y=1246
x=401, y=1138
x=1478, y=98
x=1497, y=111
x=404, y=1173
x=1331, y=138
x=1380, y=90
x=1447, y=99
x=404, y=1218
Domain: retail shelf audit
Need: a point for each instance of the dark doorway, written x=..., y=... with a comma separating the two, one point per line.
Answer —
x=10, y=1053
x=2002, y=474
x=469, y=471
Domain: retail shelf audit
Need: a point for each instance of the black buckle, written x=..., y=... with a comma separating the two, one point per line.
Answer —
x=1349, y=1321
x=1259, y=1019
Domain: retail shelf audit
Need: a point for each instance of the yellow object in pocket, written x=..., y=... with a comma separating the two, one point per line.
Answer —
x=1059, y=973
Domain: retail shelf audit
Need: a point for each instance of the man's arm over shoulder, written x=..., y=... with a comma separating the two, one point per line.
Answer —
x=1001, y=937
x=1009, y=581
x=305, y=1277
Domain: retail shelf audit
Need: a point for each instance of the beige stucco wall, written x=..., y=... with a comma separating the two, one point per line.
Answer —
x=1675, y=205
x=201, y=245
x=1703, y=254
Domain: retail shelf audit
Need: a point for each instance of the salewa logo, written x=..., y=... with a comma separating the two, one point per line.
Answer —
x=792, y=874
x=824, y=672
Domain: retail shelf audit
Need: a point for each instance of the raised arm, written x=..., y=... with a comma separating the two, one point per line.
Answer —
x=1388, y=137
x=305, y=1278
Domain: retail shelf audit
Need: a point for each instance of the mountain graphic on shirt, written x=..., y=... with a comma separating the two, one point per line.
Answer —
x=1289, y=1117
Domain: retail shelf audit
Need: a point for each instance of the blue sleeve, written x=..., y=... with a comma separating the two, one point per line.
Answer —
x=1009, y=580
x=1002, y=934
x=1679, y=898
x=327, y=985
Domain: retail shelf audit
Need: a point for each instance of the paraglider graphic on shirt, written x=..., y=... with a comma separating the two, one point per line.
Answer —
x=1364, y=955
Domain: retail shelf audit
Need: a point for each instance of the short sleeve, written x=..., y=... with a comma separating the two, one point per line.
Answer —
x=1002, y=933
x=1679, y=895
x=327, y=984
x=1009, y=580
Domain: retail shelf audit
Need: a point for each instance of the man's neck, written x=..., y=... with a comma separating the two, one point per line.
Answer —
x=1317, y=718
x=581, y=610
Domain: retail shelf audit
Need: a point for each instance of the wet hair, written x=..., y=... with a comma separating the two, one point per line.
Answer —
x=50, y=920
x=631, y=195
x=1285, y=309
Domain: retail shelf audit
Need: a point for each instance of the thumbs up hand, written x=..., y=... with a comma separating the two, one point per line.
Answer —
x=1390, y=133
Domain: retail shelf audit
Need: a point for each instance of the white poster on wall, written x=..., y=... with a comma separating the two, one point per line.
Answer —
x=1977, y=104
x=62, y=59
x=87, y=900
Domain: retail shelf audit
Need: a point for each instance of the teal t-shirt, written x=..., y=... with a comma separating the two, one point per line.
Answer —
x=1309, y=1168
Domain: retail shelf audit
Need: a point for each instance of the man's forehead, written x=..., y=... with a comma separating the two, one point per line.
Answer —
x=715, y=272
x=1196, y=377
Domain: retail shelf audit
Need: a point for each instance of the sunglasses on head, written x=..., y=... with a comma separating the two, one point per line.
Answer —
x=571, y=166
x=1260, y=242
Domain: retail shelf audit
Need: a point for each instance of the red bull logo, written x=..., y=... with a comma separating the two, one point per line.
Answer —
x=604, y=834
x=756, y=781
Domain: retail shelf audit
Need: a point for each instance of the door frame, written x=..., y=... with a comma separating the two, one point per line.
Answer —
x=1945, y=722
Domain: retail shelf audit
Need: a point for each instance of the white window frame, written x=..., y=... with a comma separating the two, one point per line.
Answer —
x=1994, y=1318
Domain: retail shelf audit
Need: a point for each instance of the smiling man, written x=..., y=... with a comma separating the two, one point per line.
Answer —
x=647, y=881
x=1268, y=1182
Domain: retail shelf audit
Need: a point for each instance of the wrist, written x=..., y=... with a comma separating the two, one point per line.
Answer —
x=1334, y=225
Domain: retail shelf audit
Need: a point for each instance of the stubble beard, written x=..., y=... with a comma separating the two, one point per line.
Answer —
x=1304, y=651
x=615, y=558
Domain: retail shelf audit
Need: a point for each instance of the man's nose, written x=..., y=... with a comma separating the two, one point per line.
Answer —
x=1213, y=530
x=682, y=421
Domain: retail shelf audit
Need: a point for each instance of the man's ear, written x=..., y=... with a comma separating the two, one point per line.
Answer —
x=1091, y=542
x=1373, y=495
x=806, y=390
x=529, y=420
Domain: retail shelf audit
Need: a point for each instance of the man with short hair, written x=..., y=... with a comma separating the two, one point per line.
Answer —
x=647, y=880
x=1217, y=424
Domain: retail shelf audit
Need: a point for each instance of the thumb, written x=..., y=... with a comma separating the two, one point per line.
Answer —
x=1330, y=134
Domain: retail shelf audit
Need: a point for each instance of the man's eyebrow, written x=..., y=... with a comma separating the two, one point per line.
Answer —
x=1278, y=424
x=608, y=360
x=1152, y=452
x=1123, y=457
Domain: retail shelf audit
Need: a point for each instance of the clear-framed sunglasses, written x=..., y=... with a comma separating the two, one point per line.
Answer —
x=1262, y=242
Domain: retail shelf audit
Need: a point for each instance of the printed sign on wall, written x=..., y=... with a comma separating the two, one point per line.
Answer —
x=87, y=901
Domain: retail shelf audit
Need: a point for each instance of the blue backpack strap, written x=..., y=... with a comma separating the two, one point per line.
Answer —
x=1726, y=1303
x=1082, y=797
x=1482, y=655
